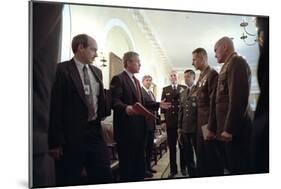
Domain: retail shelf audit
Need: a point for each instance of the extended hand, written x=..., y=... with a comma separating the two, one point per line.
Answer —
x=165, y=105
x=226, y=137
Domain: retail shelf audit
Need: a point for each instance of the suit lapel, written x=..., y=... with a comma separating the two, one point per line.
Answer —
x=154, y=99
x=178, y=89
x=174, y=92
x=191, y=90
x=145, y=93
x=170, y=89
x=77, y=80
x=184, y=95
x=95, y=74
x=130, y=83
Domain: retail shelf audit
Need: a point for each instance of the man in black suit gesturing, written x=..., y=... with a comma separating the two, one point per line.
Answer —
x=77, y=107
x=151, y=124
x=130, y=127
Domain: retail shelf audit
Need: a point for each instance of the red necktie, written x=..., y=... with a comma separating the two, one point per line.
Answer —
x=137, y=88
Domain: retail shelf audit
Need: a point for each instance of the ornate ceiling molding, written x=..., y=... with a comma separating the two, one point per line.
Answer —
x=145, y=26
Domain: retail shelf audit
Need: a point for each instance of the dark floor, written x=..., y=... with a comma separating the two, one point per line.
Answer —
x=163, y=167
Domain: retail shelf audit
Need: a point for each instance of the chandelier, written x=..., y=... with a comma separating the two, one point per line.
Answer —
x=246, y=35
x=103, y=60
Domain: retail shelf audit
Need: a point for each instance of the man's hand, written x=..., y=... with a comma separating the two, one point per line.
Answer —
x=210, y=135
x=56, y=153
x=165, y=105
x=226, y=137
x=130, y=110
x=163, y=126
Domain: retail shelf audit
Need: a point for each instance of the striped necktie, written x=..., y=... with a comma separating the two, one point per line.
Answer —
x=88, y=93
x=137, y=88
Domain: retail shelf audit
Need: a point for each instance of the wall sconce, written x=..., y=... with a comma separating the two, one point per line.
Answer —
x=245, y=34
x=103, y=60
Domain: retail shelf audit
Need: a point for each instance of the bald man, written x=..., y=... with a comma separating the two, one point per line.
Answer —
x=233, y=121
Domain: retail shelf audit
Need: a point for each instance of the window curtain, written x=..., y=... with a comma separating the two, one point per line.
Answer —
x=45, y=35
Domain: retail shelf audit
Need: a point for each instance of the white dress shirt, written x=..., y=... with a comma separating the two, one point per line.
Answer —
x=149, y=92
x=95, y=86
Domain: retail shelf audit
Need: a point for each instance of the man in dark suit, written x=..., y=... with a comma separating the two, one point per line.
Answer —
x=169, y=119
x=77, y=107
x=187, y=124
x=260, y=133
x=233, y=120
x=129, y=126
x=208, y=159
x=151, y=123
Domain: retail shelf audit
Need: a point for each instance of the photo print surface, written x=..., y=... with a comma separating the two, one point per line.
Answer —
x=127, y=94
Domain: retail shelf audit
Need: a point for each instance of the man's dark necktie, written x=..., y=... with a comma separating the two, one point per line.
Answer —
x=174, y=89
x=151, y=95
x=175, y=93
x=88, y=93
x=137, y=89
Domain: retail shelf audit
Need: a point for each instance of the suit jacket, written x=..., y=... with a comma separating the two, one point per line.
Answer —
x=151, y=123
x=69, y=112
x=127, y=129
x=187, y=119
x=205, y=94
x=232, y=97
x=171, y=115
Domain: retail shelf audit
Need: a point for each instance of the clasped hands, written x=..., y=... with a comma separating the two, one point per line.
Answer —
x=225, y=136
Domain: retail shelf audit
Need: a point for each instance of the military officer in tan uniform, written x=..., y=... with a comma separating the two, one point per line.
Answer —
x=169, y=118
x=187, y=124
x=208, y=160
x=233, y=121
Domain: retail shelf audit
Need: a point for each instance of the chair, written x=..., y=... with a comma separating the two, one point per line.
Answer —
x=107, y=129
x=160, y=143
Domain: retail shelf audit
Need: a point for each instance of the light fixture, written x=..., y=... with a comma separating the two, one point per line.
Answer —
x=103, y=60
x=246, y=33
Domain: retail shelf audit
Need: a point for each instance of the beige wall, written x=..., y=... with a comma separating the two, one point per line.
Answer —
x=115, y=30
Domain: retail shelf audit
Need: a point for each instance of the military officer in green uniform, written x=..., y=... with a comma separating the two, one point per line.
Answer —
x=208, y=160
x=232, y=110
x=187, y=124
